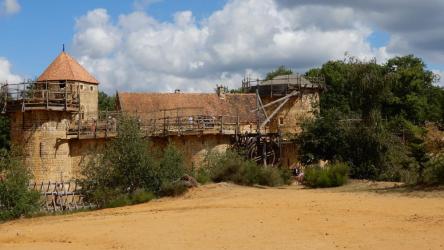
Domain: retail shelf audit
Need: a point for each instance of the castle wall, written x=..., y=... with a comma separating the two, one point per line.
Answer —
x=194, y=148
x=81, y=151
x=39, y=133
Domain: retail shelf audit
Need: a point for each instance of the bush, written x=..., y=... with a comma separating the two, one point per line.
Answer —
x=171, y=166
x=434, y=171
x=231, y=167
x=120, y=200
x=330, y=176
x=141, y=196
x=15, y=197
x=202, y=176
x=127, y=172
x=173, y=188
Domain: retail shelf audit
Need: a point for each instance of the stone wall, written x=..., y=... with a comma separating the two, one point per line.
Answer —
x=41, y=134
x=194, y=148
x=89, y=100
x=293, y=113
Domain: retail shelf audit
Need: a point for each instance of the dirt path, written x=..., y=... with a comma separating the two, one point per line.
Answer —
x=225, y=216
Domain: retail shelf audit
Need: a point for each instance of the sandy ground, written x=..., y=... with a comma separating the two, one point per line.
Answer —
x=224, y=216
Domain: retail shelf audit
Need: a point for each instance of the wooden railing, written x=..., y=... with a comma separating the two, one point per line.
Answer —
x=40, y=95
x=107, y=124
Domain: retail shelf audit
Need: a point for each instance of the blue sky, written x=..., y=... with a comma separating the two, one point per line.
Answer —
x=161, y=45
x=33, y=37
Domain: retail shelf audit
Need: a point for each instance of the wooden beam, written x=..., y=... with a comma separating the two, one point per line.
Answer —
x=278, y=100
x=274, y=112
x=259, y=99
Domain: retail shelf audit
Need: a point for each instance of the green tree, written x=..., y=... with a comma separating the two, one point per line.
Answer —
x=323, y=138
x=4, y=132
x=393, y=101
x=413, y=94
x=124, y=166
x=281, y=70
x=172, y=166
x=106, y=102
x=15, y=197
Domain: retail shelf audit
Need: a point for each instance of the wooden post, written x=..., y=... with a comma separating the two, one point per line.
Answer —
x=106, y=123
x=237, y=125
x=221, y=124
x=179, y=124
x=23, y=99
x=47, y=95
x=164, y=122
x=66, y=95
x=264, y=153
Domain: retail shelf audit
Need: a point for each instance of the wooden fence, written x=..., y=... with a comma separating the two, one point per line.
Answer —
x=61, y=196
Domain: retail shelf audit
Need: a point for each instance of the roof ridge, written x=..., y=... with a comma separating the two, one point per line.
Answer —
x=69, y=63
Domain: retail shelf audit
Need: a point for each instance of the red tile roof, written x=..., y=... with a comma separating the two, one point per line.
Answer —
x=184, y=104
x=64, y=67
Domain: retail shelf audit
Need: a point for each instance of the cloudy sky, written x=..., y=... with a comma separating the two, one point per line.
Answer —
x=162, y=45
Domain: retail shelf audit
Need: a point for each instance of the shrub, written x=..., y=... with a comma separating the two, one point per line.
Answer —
x=330, y=176
x=126, y=172
x=172, y=165
x=202, y=176
x=119, y=201
x=230, y=166
x=434, y=171
x=15, y=197
x=141, y=196
x=173, y=188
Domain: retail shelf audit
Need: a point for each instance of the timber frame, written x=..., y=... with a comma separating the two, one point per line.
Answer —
x=31, y=95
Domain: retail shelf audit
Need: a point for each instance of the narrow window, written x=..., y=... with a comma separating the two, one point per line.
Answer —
x=281, y=120
x=91, y=88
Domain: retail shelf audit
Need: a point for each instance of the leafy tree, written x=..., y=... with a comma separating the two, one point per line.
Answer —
x=413, y=94
x=106, y=102
x=281, y=70
x=4, y=132
x=172, y=166
x=128, y=171
x=322, y=138
x=15, y=198
x=393, y=100
x=123, y=167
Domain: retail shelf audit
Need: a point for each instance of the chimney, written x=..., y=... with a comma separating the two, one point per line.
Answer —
x=220, y=90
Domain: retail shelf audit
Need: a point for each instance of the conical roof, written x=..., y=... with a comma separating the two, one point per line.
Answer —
x=64, y=67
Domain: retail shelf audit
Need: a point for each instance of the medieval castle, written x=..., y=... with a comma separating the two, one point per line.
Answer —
x=57, y=120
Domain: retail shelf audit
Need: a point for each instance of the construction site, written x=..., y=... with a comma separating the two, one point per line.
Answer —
x=57, y=120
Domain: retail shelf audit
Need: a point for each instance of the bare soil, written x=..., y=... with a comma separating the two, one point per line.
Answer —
x=360, y=215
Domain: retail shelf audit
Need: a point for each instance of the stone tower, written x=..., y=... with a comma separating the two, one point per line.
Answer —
x=41, y=113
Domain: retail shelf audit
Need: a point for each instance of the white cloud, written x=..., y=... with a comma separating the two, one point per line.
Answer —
x=414, y=26
x=138, y=52
x=440, y=74
x=5, y=72
x=9, y=7
x=96, y=37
